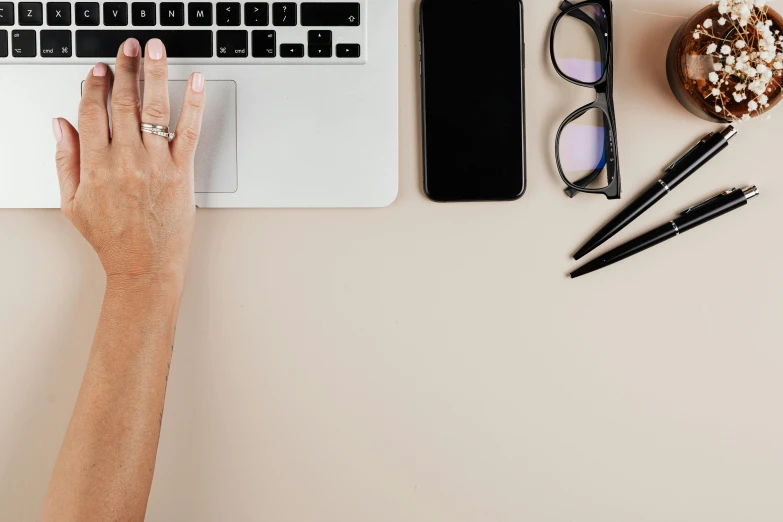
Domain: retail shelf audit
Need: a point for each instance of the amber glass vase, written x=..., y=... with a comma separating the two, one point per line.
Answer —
x=688, y=66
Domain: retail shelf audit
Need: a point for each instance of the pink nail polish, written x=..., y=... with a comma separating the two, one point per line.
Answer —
x=57, y=130
x=198, y=82
x=131, y=48
x=99, y=69
x=155, y=49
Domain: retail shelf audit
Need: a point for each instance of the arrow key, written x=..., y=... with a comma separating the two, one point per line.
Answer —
x=320, y=51
x=291, y=51
x=319, y=37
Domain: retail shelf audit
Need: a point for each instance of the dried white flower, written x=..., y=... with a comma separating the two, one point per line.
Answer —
x=778, y=66
x=696, y=35
x=708, y=23
x=752, y=105
x=740, y=44
x=718, y=108
x=730, y=60
x=726, y=50
x=722, y=21
x=718, y=66
x=764, y=99
x=714, y=77
x=716, y=92
x=737, y=97
x=712, y=48
x=745, y=117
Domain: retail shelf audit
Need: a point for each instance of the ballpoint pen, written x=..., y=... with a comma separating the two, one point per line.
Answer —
x=676, y=173
x=697, y=215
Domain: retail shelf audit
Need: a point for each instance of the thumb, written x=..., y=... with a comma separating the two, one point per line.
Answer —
x=67, y=160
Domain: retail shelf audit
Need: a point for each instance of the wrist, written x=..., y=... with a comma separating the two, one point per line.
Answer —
x=150, y=287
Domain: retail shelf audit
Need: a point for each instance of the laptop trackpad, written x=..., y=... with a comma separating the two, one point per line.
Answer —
x=216, y=157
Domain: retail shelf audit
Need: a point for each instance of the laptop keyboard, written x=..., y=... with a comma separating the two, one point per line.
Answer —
x=251, y=32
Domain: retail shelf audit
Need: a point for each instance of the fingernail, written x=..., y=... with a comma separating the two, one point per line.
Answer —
x=155, y=49
x=131, y=48
x=99, y=69
x=198, y=82
x=57, y=130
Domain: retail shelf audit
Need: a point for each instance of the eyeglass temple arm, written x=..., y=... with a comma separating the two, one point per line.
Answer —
x=585, y=182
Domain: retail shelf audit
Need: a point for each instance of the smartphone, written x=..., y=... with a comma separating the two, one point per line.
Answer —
x=473, y=96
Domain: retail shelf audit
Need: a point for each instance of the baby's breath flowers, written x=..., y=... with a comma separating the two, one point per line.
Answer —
x=748, y=61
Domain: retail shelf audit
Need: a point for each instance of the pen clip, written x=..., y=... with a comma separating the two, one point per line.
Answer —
x=687, y=152
x=707, y=202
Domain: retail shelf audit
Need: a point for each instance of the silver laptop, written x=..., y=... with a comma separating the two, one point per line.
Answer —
x=302, y=96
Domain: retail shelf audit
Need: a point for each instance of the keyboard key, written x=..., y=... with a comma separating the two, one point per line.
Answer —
x=143, y=13
x=115, y=14
x=228, y=13
x=56, y=44
x=180, y=43
x=330, y=14
x=319, y=51
x=256, y=13
x=232, y=44
x=23, y=44
x=58, y=14
x=6, y=13
x=319, y=37
x=200, y=14
x=349, y=50
x=264, y=44
x=292, y=50
x=87, y=13
x=172, y=14
x=3, y=43
x=284, y=14
x=30, y=13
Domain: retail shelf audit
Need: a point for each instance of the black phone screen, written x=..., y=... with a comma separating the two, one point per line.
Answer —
x=473, y=99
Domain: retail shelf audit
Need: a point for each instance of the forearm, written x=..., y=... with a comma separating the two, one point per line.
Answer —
x=105, y=467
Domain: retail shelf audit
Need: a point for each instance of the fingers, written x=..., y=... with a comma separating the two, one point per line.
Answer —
x=93, y=110
x=183, y=148
x=155, y=109
x=125, y=95
x=68, y=164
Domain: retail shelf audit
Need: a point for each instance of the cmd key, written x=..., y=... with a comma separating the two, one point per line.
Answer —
x=56, y=44
x=179, y=43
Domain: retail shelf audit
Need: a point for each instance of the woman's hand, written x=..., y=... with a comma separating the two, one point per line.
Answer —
x=131, y=194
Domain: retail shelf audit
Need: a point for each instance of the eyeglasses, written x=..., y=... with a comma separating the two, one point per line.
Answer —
x=586, y=143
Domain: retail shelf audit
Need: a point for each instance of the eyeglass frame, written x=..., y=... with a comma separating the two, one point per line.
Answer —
x=604, y=101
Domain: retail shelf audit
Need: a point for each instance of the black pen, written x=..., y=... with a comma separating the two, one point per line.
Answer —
x=679, y=171
x=697, y=215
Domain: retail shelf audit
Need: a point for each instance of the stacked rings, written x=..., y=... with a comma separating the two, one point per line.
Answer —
x=157, y=130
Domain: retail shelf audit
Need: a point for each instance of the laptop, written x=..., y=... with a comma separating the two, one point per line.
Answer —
x=302, y=106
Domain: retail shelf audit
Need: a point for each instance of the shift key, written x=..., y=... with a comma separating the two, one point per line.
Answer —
x=323, y=14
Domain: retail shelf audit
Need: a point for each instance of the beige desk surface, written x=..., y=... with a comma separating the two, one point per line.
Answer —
x=432, y=363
